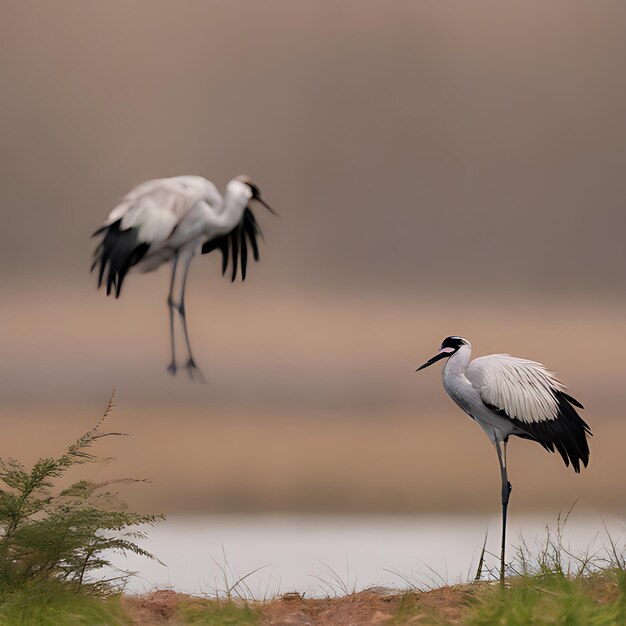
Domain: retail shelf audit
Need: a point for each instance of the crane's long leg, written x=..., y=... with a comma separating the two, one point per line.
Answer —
x=506, y=492
x=192, y=368
x=171, y=368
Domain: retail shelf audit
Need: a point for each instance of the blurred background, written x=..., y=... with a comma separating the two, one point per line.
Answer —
x=441, y=168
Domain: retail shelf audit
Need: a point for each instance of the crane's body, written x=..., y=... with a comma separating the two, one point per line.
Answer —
x=462, y=391
x=168, y=215
x=509, y=396
x=168, y=220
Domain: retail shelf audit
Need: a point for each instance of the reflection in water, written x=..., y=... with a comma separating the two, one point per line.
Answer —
x=323, y=555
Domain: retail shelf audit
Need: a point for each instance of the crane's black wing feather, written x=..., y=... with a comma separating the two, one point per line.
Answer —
x=567, y=432
x=234, y=245
x=118, y=251
x=235, y=239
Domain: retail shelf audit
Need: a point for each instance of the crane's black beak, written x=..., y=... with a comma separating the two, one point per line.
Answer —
x=267, y=206
x=437, y=357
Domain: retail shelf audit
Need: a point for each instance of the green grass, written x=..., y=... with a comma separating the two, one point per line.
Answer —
x=551, y=585
x=410, y=611
x=547, y=585
x=554, y=598
x=52, y=604
x=544, y=599
x=219, y=613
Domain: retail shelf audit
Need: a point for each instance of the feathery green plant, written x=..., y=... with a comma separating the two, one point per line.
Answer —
x=62, y=536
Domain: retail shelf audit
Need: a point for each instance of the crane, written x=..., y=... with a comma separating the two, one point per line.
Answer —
x=508, y=396
x=168, y=220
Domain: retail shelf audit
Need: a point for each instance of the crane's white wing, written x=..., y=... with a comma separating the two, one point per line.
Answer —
x=144, y=221
x=524, y=390
x=535, y=402
x=155, y=207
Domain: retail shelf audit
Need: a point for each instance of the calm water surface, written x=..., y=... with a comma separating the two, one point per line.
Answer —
x=323, y=554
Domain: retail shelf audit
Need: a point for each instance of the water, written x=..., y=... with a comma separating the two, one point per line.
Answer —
x=321, y=555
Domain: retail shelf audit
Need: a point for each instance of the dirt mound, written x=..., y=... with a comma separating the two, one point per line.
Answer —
x=367, y=608
x=160, y=607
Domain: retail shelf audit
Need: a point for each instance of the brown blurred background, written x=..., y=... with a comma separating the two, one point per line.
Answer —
x=442, y=168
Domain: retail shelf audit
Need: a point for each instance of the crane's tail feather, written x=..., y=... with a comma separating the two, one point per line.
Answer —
x=567, y=433
x=118, y=251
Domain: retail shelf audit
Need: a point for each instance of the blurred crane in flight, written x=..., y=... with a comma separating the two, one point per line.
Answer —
x=510, y=396
x=168, y=220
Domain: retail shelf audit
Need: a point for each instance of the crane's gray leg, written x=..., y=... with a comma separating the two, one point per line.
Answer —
x=192, y=368
x=506, y=492
x=171, y=368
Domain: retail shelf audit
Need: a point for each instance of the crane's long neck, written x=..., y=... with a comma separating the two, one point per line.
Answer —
x=235, y=200
x=455, y=381
x=455, y=367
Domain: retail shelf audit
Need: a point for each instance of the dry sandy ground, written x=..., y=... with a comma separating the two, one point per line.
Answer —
x=367, y=608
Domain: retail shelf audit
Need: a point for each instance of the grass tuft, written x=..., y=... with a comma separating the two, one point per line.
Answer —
x=551, y=585
x=551, y=599
x=219, y=613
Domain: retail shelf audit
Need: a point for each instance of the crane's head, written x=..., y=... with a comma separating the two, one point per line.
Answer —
x=449, y=346
x=254, y=191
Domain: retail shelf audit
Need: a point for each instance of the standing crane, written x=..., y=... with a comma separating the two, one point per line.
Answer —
x=167, y=220
x=510, y=396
